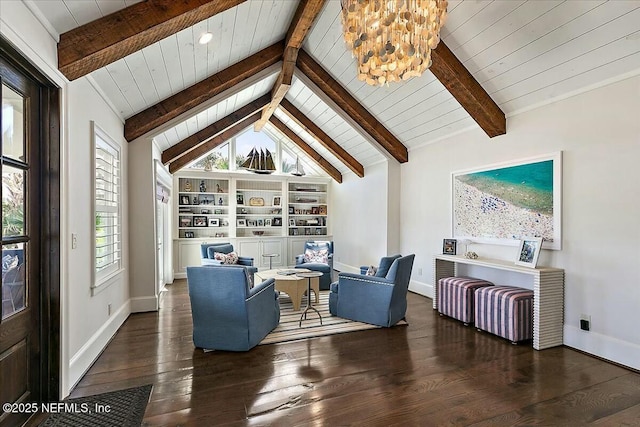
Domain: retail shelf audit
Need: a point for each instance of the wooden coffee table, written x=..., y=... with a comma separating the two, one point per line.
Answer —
x=291, y=285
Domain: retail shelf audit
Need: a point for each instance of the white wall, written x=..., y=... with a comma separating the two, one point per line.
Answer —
x=599, y=134
x=142, y=210
x=365, y=224
x=86, y=326
x=86, y=337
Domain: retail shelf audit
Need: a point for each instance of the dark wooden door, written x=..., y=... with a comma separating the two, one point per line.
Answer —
x=21, y=356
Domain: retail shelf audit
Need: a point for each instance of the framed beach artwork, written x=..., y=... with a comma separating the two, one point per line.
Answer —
x=503, y=203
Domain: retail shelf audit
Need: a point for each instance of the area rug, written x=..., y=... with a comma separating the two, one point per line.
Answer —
x=116, y=408
x=288, y=329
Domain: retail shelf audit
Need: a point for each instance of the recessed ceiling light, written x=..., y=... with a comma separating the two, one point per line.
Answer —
x=205, y=38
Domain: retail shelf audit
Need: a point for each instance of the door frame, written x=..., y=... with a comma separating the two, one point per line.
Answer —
x=162, y=176
x=50, y=314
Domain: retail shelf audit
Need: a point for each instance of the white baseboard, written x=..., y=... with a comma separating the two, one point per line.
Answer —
x=180, y=276
x=144, y=304
x=89, y=352
x=421, y=288
x=613, y=349
x=345, y=268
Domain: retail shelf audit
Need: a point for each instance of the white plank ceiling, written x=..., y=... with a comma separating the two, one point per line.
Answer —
x=523, y=52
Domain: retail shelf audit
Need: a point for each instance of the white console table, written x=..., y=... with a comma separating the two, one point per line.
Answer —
x=548, y=294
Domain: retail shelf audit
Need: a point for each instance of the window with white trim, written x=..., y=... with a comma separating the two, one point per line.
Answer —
x=108, y=216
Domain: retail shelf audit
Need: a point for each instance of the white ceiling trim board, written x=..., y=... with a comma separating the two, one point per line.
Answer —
x=35, y=11
x=576, y=92
x=104, y=97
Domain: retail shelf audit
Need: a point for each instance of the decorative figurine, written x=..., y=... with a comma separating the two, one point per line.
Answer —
x=203, y=187
x=218, y=189
x=195, y=200
x=220, y=201
x=187, y=186
x=471, y=255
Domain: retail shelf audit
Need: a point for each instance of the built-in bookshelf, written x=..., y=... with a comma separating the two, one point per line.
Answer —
x=307, y=209
x=259, y=208
x=227, y=206
x=203, y=207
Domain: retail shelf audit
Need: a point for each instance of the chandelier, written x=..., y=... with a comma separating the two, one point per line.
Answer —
x=392, y=39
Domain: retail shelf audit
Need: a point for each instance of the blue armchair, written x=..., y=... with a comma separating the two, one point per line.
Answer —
x=324, y=268
x=380, y=301
x=227, y=314
x=207, y=251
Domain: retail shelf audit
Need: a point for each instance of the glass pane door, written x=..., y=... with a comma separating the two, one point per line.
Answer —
x=14, y=178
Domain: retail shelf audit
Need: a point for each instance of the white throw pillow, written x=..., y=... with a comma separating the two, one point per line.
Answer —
x=321, y=256
x=230, y=258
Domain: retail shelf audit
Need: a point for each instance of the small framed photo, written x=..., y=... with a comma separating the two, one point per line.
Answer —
x=184, y=200
x=528, y=251
x=292, y=222
x=199, y=221
x=205, y=211
x=291, y=210
x=217, y=211
x=322, y=210
x=214, y=222
x=189, y=234
x=260, y=223
x=251, y=223
x=185, y=221
x=277, y=222
x=240, y=199
x=314, y=210
x=267, y=222
x=318, y=231
x=276, y=201
x=449, y=246
x=241, y=222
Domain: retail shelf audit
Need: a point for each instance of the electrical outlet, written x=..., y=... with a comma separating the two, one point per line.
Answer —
x=109, y=309
x=585, y=322
x=419, y=271
x=74, y=240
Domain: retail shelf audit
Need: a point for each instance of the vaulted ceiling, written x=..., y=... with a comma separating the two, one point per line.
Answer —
x=518, y=54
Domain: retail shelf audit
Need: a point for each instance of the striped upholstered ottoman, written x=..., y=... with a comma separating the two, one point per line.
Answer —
x=456, y=298
x=505, y=311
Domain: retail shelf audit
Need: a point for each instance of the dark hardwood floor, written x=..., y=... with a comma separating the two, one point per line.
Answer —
x=433, y=372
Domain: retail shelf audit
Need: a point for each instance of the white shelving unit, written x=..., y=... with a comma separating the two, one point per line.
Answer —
x=307, y=209
x=203, y=208
x=259, y=208
x=228, y=199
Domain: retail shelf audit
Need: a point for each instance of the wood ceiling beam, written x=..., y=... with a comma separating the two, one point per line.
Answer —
x=110, y=38
x=344, y=100
x=217, y=140
x=313, y=154
x=198, y=138
x=280, y=88
x=306, y=14
x=324, y=139
x=169, y=108
x=467, y=91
